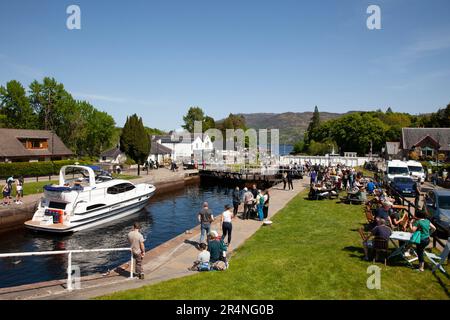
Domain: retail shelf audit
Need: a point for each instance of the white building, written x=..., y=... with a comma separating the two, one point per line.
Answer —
x=113, y=156
x=184, y=146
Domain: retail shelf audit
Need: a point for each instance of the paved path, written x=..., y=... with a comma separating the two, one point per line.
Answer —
x=168, y=261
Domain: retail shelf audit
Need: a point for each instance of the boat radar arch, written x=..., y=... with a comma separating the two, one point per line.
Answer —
x=63, y=174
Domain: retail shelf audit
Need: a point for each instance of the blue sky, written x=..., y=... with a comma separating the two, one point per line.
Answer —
x=157, y=58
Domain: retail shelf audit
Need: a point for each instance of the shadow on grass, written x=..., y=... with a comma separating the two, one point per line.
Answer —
x=358, y=252
x=441, y=283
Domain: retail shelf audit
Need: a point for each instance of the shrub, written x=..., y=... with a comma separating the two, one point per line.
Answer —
x=35, y=169
x=130, y=161
x=414, y=155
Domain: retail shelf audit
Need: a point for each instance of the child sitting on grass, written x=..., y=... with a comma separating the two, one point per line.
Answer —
x=202, y=262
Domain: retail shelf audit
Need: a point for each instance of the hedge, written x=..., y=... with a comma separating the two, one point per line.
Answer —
x=34, y=169
x=426, y=165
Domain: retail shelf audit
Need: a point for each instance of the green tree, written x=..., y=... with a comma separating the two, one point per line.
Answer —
x=233, y=121
x=299, y=147
x=56, y=110
x=314, y=124
x=135, y=141
x=154, y=131
x=355, y=132
x=321, y=148
x=15, y=107
x=96, y=132
x=194, y=114
x=208, y=123
x=440, y=119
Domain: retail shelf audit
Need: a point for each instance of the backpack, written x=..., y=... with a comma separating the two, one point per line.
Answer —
x=219, y=265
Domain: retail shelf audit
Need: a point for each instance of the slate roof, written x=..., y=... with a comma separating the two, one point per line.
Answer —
x=412, y=136
x=10, y=145
x=157, y=148
x=111, y=153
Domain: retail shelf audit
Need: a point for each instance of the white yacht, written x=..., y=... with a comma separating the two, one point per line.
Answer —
x=87, y=197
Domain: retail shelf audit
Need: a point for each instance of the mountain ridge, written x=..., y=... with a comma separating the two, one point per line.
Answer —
x=292, y=125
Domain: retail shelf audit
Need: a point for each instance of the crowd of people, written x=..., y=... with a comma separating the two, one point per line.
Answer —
x=8, y=188
x=212, y=246
x=328, y=181
x=213, y=251
x=387, y=217
x=383, y=207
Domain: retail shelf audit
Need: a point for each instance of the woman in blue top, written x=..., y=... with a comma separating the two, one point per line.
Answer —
x=423, y=225
x=260, y=205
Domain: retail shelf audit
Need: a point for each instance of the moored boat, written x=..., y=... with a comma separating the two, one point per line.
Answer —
x=86, y=197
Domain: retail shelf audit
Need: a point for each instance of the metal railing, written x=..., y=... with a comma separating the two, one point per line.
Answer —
x=69, y=253
x=410, y=204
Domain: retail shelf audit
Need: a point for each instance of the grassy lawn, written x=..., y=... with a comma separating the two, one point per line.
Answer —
x=312, y=251
x=38, y=187
x=35, y=187
x=124, y=176
x=366, y=173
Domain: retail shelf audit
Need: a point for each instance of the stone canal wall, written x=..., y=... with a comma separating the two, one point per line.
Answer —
x=13, y=217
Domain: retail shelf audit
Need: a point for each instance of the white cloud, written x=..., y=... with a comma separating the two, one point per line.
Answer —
x=23, y=69
x=114, y=99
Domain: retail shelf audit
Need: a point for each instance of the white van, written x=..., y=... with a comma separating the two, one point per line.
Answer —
x=396, y=168
x=416, y=171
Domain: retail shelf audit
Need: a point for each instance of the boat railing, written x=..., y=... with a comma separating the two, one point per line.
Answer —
x=69, y=263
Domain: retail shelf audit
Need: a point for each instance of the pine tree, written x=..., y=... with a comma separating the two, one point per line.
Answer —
x=134, y=140
x=313, y=125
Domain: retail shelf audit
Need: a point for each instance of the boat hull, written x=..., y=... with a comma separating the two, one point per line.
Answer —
x=95, y=220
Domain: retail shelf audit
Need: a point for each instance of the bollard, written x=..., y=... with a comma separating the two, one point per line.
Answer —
x=69, y=272
x=131, y=265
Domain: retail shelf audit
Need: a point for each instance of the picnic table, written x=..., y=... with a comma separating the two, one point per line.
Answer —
x=352, y=198
x=401, y=250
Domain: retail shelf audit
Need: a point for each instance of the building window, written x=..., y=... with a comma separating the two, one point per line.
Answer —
x=426, y=151
x=120, y=188
x=31, y=144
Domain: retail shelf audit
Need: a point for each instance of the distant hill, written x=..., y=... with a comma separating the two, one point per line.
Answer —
x=292, y=125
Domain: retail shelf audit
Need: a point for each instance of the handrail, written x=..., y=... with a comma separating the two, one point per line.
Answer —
x=410, y=204
x=69, y=253
x=403, y=198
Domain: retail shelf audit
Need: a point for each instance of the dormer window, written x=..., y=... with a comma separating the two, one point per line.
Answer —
x=33, y=144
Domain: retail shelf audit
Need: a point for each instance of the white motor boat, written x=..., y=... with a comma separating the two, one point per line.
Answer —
x=86, y=198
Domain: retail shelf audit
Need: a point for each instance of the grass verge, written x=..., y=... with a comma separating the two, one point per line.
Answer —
x=312, y=251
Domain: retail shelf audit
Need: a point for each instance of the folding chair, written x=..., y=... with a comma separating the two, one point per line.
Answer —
x=362, y=234
x=369, y=216
x=436, y=261
x=380, y=245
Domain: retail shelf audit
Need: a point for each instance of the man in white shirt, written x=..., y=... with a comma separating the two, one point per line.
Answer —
x=248, y=203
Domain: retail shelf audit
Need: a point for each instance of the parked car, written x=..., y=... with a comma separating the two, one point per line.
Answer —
x=416, y=170
x=404, y=186
x=395, y=168
x=437, y=206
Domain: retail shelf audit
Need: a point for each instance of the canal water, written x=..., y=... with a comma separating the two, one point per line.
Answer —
x=165, y=217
